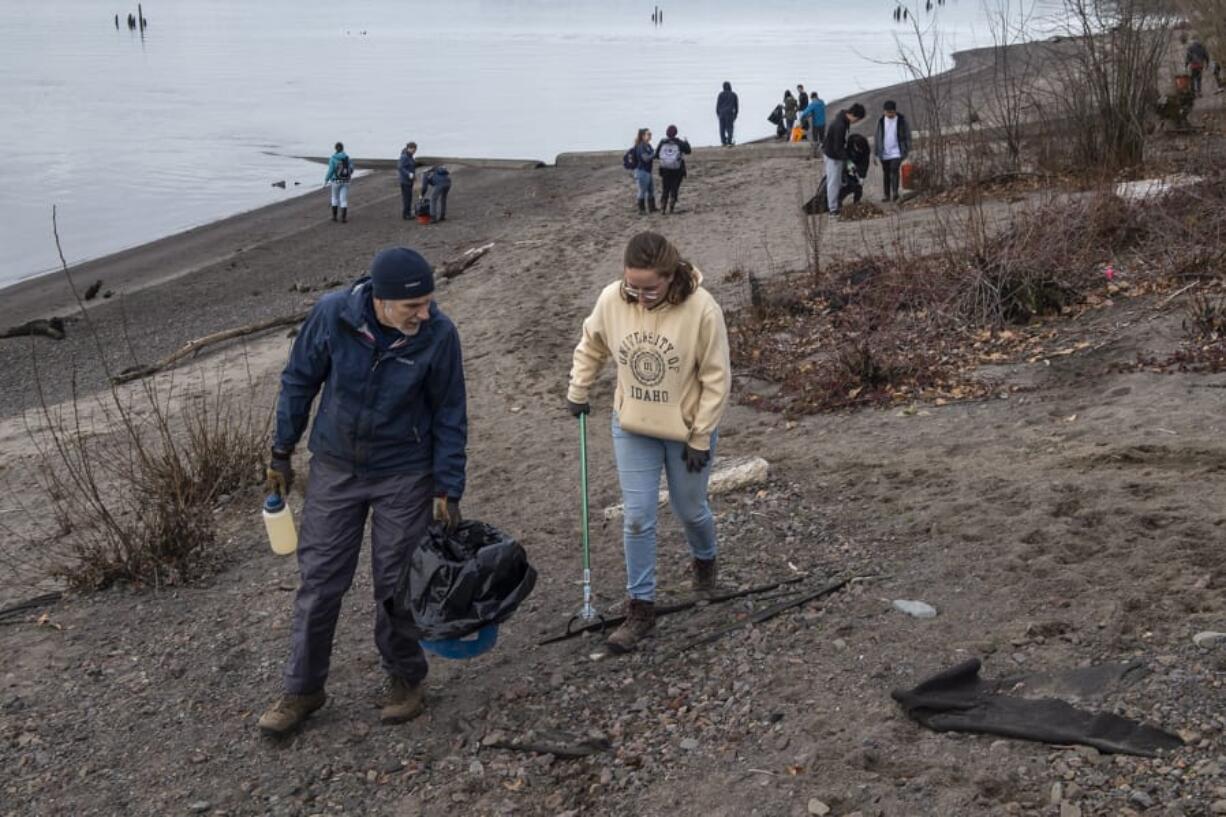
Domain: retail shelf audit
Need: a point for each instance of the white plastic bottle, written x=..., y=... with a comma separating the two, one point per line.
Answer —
x=280, y=525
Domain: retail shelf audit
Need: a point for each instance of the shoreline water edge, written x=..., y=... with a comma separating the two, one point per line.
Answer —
x=163, y=259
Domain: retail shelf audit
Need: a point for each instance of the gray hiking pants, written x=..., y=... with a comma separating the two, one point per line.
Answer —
x=329, y=543
x=834, y=183
x=438, y=203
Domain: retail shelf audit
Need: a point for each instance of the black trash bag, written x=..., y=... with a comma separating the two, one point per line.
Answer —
x=455, y=584
x=819, y=203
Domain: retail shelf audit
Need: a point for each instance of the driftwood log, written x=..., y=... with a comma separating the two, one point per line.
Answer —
x=669, y=609
x=193, y=348
x=51, y=328
x=456, y=266
x=769, y=613
x=449, y=269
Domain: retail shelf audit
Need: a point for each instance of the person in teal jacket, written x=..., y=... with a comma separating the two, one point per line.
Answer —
x=815, y=113
x=340, y=171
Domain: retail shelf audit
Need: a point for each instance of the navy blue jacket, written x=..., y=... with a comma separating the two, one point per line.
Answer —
x=439, y=178
x=406, y=167
x=727, y=105
x=385, y=410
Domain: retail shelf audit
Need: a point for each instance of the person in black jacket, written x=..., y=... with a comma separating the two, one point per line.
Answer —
x=891, y=145
x=406, y=168
x=835, y=148
x=1196, y=58
x=727, y=106
x=671, y=153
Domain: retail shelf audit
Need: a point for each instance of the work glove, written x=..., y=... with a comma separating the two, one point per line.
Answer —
x=279, y=477
x=578, y=408
x=695, y=460
x=447, y=513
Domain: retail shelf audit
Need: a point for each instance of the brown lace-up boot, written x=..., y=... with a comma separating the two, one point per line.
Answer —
x=288, y=713
x=404, y=701
x=640, y=620
x=705, y=575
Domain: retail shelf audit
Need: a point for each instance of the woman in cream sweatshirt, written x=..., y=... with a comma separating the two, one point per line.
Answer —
x=668, y=338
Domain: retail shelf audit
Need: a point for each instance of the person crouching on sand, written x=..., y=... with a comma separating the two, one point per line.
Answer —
x=668, y=337
x=340, y=171
x=437, y=184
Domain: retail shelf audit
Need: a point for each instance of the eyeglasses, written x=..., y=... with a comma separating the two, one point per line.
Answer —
x=645, y=295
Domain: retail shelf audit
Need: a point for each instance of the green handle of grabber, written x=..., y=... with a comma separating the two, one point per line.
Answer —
x=587, y=558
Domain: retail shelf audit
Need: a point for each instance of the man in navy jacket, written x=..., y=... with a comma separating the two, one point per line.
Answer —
x=388, y=442
x=406, y=168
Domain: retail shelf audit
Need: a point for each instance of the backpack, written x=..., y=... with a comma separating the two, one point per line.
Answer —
x=630, y=159
x=344, y=170
x=670, y=156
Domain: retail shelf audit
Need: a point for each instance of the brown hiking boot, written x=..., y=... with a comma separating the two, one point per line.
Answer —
x=288, y=713
x=705, y=574
x=404, y=702
x=640, y=620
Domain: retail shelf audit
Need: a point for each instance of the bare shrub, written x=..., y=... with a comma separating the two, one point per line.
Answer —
x=923, y=56
x=1206, y=317
x=1108, y=84
x=131, y=476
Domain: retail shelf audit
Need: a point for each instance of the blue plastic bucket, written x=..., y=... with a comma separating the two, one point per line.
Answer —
x=461, y=648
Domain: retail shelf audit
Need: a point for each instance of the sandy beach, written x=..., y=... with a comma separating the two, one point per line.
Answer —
x=1076, y=519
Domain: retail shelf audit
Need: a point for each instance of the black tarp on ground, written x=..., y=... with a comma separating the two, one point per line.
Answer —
x=958, y=700
x=455, y=584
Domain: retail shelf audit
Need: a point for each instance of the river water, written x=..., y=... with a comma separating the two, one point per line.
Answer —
x=134, y=137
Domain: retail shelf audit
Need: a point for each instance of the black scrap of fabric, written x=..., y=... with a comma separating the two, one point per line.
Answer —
x=958, y=700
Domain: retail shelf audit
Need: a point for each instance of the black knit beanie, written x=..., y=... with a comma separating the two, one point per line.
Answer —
x=399, y=273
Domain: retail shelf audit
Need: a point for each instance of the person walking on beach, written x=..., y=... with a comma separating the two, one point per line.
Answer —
x=668, y=337
x=671, y=153
x=789, y=112
x=815, y=115
x=891, y=145
x=437, y=183
x=835, y=148
x=644, y=156
x=802, y=101
x=340, y=171
x=727, y=107
x=407, y=168
x=388, y=443
x=1196, y=58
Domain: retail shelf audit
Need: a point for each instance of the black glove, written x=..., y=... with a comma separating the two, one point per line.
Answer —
x=695, y=460
x=279, y=477
x=578, y=408
x=447, y=513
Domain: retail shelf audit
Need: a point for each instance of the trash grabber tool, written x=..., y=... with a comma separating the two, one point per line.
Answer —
x=587, y=614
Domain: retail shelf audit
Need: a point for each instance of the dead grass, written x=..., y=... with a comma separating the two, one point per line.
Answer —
x=898, y=328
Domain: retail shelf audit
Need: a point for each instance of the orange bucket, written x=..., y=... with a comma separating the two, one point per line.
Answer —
x=904, y=174
x=423, y=219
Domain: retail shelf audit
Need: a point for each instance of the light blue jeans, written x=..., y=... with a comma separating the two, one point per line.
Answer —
x=646, y=184
x=340, y=193
x=639, y=461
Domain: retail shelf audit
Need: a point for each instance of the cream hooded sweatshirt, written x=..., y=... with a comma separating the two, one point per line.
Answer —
x=673, y=373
